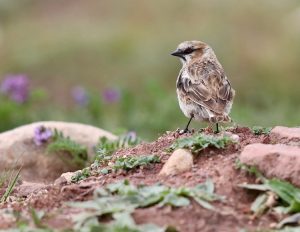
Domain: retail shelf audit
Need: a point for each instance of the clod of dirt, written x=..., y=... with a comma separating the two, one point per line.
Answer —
x=180, y=161
x=286, y=135
x=279, y=160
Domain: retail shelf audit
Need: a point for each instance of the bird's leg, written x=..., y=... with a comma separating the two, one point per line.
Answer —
x=217, y=128
x=187, y=126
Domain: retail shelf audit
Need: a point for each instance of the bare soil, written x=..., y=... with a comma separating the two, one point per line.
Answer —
x=219, y=165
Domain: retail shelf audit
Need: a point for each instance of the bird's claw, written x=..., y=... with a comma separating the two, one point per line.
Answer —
x=181, y=132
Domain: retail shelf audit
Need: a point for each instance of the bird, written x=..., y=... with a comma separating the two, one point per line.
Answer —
x=203, y=90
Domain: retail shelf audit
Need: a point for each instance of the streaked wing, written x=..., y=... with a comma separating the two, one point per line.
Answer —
x=209, y=87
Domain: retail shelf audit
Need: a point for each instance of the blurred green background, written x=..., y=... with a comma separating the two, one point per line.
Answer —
x=125, y=46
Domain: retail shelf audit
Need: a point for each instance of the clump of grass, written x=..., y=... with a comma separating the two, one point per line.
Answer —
x=11, y=178
x=199, y=142
x=123, y=197
x=259, y=130
x=277, y=195
x=105, y=148
x=130, y=162
x=81, y=175
x=60, y=143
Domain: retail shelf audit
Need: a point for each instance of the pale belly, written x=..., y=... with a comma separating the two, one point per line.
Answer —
x=190, y=108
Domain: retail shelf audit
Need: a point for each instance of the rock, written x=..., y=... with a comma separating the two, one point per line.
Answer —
x=27, y=188
x=18, y=149
x=279, y=160
x=235, y=138
x=285, y=135
x=64, y=178
x=180, y=161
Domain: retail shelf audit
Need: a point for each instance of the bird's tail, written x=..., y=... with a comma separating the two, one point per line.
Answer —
x=220, y=118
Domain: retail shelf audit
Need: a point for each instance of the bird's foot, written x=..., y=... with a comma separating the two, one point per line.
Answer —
x=185, y=131
x=216, y=131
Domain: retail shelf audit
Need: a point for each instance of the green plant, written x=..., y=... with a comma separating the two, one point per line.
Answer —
x=24, y=217
x=81, y=175
x=37, y=217
x=63, y=144
x=12, y=178
x=124, y=222
x=259, y=130
x=106, y=147
x=130, y=162
x=199, y=142
x=120, y=199
x=278, y=195
x=124, y=197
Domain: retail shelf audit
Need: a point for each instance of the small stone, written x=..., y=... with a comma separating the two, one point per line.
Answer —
x=234, y=137
x=180, y=161
x=278, y=160
x=65, y=178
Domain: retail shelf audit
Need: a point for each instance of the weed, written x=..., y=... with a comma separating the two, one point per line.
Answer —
x=105, y=147
x=259, y=130
x=123, y=221
x=13, y=178
x=130, y=162
x=277, y=195
x=122, y=197
x=37, y=217
x=81, y=175
x=199, y=142
x=60, y=143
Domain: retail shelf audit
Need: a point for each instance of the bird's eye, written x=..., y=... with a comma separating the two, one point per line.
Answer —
x=188, y=50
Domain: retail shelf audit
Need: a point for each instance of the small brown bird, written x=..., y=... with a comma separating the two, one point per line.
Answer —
x=203, y=90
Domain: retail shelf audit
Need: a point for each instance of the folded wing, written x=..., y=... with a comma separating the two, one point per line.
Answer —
x=209, y=87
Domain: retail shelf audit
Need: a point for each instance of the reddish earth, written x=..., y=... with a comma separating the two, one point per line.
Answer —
x=219, y=165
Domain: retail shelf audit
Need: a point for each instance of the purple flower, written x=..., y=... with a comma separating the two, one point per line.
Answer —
x=132, y=135
x=80, y=96
x=16, y=87
x=111, y=95
x=42, y=135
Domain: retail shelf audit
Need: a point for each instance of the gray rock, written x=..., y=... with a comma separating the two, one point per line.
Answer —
x=17, y=149
x=180, y=161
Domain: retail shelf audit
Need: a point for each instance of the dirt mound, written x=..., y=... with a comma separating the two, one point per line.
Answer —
x=217, y=164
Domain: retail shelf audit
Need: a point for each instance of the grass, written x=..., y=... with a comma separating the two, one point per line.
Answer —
x=65, y=145
x=104, y=151
x=11, y=178
x=105, y=148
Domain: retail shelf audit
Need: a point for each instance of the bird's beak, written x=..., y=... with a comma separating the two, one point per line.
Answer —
x=178, y=53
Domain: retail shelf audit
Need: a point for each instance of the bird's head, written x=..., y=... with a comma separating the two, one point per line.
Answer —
x=189, y=50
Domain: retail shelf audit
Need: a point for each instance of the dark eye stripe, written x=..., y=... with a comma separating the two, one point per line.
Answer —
x=188, y=51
